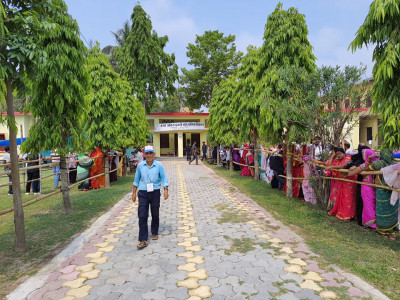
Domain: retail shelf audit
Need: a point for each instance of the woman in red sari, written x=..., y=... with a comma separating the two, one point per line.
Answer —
x=346, y=192
x=295, y=172
x=243, y=160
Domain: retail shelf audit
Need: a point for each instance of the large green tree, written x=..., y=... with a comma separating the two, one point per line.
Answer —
x=381, y=29
x=22, y=23
x=221, y=128
x=134, y=127
x=214, y=57
x=285, y=46
x=342, y=92
x=115, y=118
x=142, y=60
x=59, y=89
x=246, y=104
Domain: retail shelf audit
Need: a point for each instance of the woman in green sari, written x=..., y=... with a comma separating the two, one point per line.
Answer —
x=387, y=222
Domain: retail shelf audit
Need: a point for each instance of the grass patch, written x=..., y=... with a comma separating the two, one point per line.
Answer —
x=242, y=245
x=347, y=245
x=48, y=228
x=221, y=207
x=232, y=216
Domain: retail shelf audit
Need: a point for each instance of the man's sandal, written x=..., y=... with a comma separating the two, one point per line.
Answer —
x=142, y=244
x=154, y=237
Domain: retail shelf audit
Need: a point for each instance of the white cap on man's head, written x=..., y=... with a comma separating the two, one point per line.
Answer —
x=148, y=149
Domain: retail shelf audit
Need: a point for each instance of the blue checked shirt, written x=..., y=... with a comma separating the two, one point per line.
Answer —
x=154, y=174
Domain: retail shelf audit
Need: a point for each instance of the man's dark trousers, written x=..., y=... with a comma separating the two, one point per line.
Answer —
x=147, y=199
x=195, y=158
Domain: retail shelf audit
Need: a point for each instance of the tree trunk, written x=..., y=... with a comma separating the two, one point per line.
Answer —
x=256, y=165
x=107, y=171
x=289, y=166
x=231, y=162
x=64, y=185
x=20, y=239
x=218, y=157
x=125, y=163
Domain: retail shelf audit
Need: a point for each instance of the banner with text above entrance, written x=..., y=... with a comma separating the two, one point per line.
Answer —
x=181, y=126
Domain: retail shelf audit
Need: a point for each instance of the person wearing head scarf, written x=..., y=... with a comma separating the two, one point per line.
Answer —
x=295, y=171
x=387, y=214
x=262, y=162
x=344, y=207
x=368, y=193
x=236, y=157
x=308, y=192
x=244, y=160
x=357, y=160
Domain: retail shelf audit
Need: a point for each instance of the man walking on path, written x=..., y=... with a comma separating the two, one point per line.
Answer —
x=148, y=178
x=204, y=149
x=188, y=150
x=194, y=153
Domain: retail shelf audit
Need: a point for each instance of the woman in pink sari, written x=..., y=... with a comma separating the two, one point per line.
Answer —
x=368, y=193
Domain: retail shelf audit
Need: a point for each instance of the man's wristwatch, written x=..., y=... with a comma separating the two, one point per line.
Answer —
x=166, y=188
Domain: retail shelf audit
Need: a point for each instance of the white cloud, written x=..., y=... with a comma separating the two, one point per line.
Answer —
x=169, y=19
x=243, y=40
x=330, y=48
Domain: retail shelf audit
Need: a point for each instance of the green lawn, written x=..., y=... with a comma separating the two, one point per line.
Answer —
x=48, y=228
x=347, y=245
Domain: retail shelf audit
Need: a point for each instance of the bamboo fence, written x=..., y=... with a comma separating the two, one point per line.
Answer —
x=41, y=197
x=324, y=167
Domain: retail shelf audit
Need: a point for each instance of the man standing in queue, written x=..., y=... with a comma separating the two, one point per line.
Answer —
x=150, y=174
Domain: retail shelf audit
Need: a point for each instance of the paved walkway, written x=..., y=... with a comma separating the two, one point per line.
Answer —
x=214, y=243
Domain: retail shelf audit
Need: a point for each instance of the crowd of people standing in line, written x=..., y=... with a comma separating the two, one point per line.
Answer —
x=80, y=167
x=375, y=208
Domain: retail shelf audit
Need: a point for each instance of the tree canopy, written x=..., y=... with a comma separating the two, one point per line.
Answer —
x=22, y=23
x=115, y=119
x=285, y=46
x=214, y=57
x=150, y=71
x=59, y=87
x=221, y=128
x=380, y=28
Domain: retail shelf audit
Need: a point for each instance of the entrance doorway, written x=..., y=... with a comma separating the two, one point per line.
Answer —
x=176, y=144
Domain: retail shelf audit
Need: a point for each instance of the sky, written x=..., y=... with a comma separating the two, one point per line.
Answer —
x=332, y=25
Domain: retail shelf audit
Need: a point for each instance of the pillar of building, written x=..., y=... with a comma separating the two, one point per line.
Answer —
x=180, y=144
x=156, y=144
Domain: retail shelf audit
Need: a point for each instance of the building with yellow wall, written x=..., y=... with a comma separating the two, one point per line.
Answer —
x=171, y=132
x=23, y=123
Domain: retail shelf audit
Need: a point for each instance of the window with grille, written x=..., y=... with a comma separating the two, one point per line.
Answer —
x=369, y=133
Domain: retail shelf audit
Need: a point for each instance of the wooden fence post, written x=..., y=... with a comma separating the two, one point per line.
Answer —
x=107, y=171
x=218, y=157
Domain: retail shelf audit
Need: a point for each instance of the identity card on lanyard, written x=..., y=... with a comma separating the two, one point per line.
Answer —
x=150, y=186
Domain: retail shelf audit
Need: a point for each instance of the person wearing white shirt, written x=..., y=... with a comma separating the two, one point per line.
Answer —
x=7, y=161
